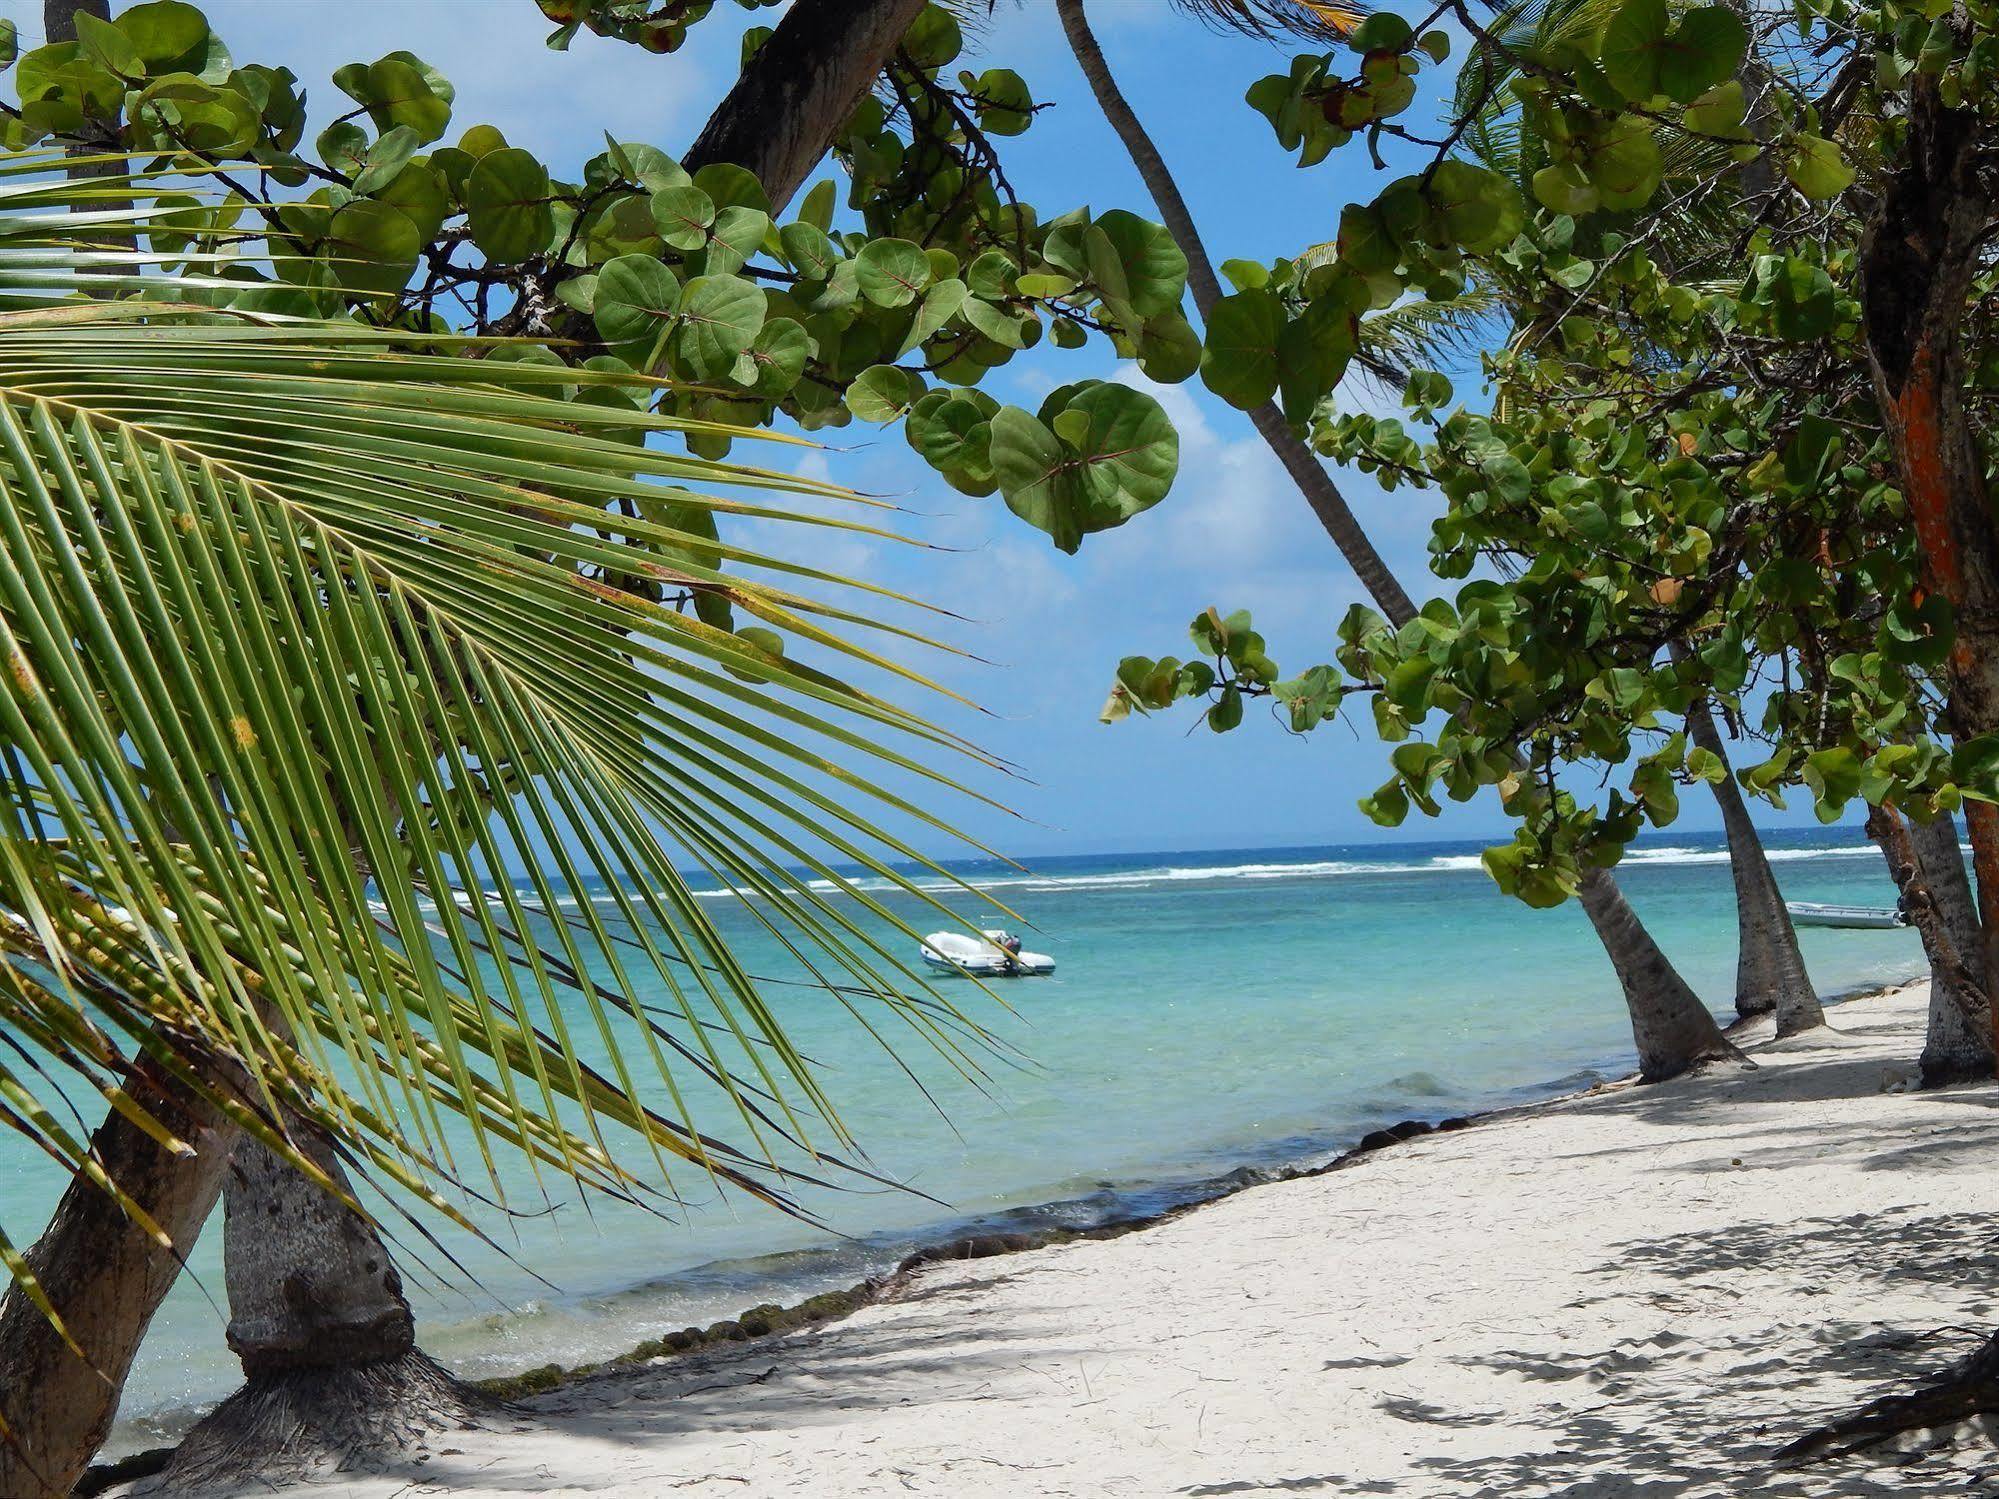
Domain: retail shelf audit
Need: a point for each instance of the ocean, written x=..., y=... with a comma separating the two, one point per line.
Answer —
x=1210, y=1011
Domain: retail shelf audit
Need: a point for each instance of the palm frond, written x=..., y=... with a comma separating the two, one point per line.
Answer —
x=1274, y=20
x=1420, y=334
x=356, y=738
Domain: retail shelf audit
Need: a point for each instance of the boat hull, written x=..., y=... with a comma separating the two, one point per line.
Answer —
x=956, y=954
x=1860, y=918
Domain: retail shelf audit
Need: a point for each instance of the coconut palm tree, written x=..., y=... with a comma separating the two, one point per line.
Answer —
x=358, y=736
x=1673, y=1030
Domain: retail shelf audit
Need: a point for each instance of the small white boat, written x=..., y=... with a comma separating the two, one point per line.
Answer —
x=997, y=957
x=1814, y=913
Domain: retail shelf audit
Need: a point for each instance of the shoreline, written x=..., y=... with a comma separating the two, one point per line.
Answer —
x=815, y=1314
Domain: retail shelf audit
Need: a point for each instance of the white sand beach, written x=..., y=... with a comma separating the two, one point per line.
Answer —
x=1638, y=1291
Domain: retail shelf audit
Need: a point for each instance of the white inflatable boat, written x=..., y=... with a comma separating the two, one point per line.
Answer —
x=1813, y=913
x=998, y=956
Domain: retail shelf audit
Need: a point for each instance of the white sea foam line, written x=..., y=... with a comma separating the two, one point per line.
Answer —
x=1135, y=879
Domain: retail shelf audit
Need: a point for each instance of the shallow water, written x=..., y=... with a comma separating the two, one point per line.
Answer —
x=1210, y=1011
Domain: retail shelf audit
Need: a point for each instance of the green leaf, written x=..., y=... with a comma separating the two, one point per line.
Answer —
x=934, y=39
x=1643, y=55
x=683, y=215
x=1478, y=210
x=738, y=234
x=507, y=206
x=399, y=89
x=1001, y=100
x=1226, y=713
x=1122, y=462
x=1816, y=167
x=1632, y=41
x=1239, y=363
x=1155, y=271
x=779, y=354
x=1707, y=47
x=942, y=302
x=719, y=319
x=168, y=36
x=1169, y=350
x=108, y=46
x=371, y=246
x=387, y=157
x=808, y=250
x=892, y=272
x=1381, y=31
x=817, y=207
x=636, y=298
x=882, y=392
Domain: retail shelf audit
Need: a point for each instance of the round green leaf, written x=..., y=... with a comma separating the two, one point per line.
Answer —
x=892, y=272
x=1118, y=457
x=778, y=357
x=808, y=249
x=1169, y=350
x=1475, y=209
x=1816, y=168
x=882, y=393
x=507, y=205
x=1001, y=98
x=1706, y=47
x=1239, y=363
x=635, y=298
x=1155, y=270
x=719, y=318
x=371, y=246
x=1632, y=42
x=738, y=233
x=170, y=36
x=683, y=215
x=934, y=38
x=731, y=186
x=399, y=89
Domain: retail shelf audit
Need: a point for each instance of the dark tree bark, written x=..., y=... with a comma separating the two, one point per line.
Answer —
x=333, y=1376
x=106, y=1277
x=781, y=117
x=1955, y=1049
x=1674, y=1031
x=1918, y=260
x=59, y=16
x=1928, y=870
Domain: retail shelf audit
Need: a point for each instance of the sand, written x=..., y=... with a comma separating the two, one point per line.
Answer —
x=1637, y=1291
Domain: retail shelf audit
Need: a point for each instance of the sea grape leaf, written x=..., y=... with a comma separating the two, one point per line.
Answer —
x=1119, y=459
x=507, y=205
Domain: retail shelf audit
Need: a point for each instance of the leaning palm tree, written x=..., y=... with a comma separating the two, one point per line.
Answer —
x=358, y=736
x=1672, y=1029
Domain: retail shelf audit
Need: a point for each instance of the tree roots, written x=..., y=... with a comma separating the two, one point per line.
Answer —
x=1970, y=1389
x=286, y=1425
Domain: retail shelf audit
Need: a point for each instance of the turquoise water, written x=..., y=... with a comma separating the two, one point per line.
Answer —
x=1210, y=1011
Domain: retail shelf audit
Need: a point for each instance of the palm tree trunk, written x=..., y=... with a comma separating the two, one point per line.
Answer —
x=1955, y=1050
x=106, y=1277
x=1673, y=1030
x=791, y=100
x=1937, y=898
x=333, y=1376
x=1770, y=976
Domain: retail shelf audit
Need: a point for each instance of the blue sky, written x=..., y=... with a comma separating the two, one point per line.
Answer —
x=1233, y=533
